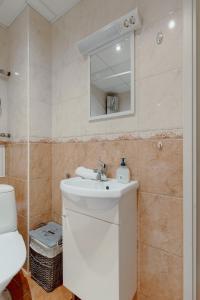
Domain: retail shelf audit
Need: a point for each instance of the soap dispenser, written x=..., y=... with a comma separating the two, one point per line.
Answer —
x=123, y=173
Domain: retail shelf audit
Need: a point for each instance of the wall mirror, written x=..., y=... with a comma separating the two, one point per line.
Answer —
x=112, y=79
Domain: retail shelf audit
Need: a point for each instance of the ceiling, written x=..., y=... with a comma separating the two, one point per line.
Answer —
x=50, y=9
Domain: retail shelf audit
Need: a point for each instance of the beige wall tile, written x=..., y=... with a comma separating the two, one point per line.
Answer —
x=159, y=101
x=40, y=75
x=16, y=160
x=35, y=221
x=56, y=198
x=40, y=196
x=159, y=59
x=40, y=120
x=161, y=274
x=65, y=158
x=159, y=170
x=68, y=156
x=40, y=160
x=21, y=194
x=111, y=153
x=57, y=218
x=161, y=222
x=157, y=9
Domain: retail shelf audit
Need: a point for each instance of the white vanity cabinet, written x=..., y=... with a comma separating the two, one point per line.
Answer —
x=100, y=248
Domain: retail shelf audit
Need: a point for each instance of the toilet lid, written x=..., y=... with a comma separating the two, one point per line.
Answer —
x=12, y=255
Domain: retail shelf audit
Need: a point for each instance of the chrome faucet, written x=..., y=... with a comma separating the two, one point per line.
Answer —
x=101, y=171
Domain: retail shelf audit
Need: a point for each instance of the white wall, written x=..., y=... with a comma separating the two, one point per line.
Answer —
x=158, y=69
x=18, y=86
x=29, y=87
x=3, y=81
x=40, y=76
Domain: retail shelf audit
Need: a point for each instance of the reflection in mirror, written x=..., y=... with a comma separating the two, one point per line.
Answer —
x=110, y=79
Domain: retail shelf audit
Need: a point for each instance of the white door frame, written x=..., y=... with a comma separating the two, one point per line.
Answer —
x=189, y=149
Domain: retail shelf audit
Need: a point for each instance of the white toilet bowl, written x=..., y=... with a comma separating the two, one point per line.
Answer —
x=12, y=247
x=12, y=257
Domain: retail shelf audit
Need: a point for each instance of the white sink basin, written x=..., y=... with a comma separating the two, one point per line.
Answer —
x=93, y=188
x=95, y=194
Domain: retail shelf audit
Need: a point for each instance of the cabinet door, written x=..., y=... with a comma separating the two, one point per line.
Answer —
x=90, y=257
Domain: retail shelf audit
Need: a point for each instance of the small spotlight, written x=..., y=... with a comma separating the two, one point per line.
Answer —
x=118, y=48
x=172, y=24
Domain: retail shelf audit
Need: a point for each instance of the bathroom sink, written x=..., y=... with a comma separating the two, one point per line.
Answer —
x=95, y=194
x=99, y=238
x=93, y=188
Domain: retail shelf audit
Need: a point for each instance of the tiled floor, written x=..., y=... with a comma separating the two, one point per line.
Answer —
x=22, y=287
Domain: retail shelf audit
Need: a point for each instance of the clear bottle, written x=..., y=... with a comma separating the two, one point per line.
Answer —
x=123, y=172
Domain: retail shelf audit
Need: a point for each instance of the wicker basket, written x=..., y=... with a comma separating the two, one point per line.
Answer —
x=47, y=272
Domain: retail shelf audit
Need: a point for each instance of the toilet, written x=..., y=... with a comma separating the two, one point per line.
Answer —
x=12, y=246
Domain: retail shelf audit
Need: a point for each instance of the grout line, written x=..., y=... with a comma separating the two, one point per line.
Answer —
x=28, y=139
x=160, y=249
x=162, y=195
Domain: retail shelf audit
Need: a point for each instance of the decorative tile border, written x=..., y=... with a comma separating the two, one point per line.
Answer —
x=148, y=134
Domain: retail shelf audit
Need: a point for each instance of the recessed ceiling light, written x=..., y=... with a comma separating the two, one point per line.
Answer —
x=118, y=47
x=172, y=24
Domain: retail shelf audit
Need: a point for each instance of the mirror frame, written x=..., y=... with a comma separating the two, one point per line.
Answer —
x=132, y=92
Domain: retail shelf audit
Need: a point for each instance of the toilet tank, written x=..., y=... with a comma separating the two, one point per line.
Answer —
x=8, y=212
